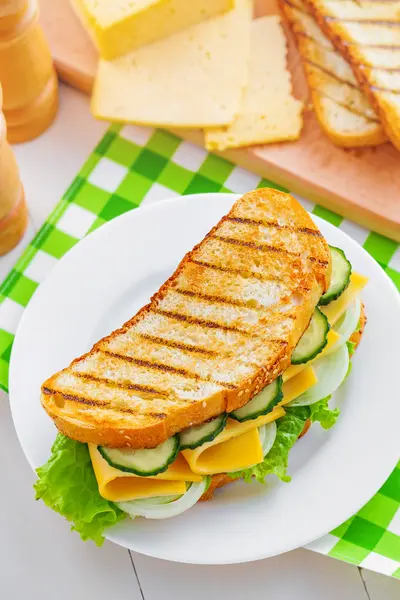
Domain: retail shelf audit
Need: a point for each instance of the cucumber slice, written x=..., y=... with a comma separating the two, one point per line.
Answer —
x=340, y=278
x=146, y=462
x=200, y=434
x=313, y=340
x=261, y=404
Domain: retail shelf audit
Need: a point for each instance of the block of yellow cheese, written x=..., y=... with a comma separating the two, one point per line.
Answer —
x=119, y=26
x=194, y=78
x=269, y=112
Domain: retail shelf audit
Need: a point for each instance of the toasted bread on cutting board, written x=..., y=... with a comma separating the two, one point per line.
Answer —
x=343, y=111
x=368, y=35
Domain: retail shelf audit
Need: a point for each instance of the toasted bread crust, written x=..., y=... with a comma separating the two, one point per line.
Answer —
x=222, y=479
x=333, y=29
x=110, y=423
x=372, y=134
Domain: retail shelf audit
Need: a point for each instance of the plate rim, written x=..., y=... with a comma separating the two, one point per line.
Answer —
x=113, y=223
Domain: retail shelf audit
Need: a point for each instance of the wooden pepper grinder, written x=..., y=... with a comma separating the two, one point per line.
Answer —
x=27, y=75
x=13, y=211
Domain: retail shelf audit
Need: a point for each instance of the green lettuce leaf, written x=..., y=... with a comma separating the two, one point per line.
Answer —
x=289, y=428
x=321, y=412
x=67, y=484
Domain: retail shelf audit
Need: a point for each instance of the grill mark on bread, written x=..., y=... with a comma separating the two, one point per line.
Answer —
x=101, y=403
x=346, y=106
x=376, y=21
x=88, y=401
x=168, y=369
x=178, y=345
x=117, y=384
x=233, y=271
x=265, y=248
x=216, y=299
x=189, y=348
x=201, y=322
x=331, y=74
x=245, y=221
x=150, y=365
x=348, y=42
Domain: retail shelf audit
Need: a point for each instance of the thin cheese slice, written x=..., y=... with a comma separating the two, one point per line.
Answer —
x=119, y=26
x=194, y=78
x=336, y=309
x=233, y=449
x=233, y=455
x=298, y=385
x=294, y=370
x=120, y=486
x=269, y=112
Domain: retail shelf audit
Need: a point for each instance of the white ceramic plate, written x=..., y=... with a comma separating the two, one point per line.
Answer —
x=105, y=279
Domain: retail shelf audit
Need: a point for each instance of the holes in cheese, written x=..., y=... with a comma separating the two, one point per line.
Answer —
x=120, y=486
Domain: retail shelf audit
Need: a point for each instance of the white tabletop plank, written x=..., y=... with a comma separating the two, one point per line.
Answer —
x=39, y=557
x=300, y=575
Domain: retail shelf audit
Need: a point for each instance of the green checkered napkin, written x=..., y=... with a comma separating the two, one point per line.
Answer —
x=132, y=166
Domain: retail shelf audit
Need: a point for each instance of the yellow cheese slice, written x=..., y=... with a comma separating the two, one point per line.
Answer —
x=236, y=447
x=269, y=112
x=120, y=486
x=232, y=455
x=298, y=385
x=337, y=308
x=118, y=26
x=294, y=370
x=194, y=78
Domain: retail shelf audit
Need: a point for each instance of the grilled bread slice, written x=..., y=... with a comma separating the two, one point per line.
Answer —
x=221, y=479
x=367, y=33
x=218, y=331
x=343, y=111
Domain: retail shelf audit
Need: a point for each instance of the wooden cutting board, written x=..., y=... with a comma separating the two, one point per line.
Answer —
x=362, y=184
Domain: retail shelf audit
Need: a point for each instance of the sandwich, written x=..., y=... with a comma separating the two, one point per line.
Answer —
x=214, y=380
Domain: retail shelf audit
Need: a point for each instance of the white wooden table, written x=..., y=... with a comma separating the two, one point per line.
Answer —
x=39, y=558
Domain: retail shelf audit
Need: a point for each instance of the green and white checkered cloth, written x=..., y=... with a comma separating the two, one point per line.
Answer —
x=132, y=166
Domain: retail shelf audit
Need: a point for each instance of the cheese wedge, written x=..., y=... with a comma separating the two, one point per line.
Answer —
x=120, y=486
x=119, y=26
x=269, y=112
x=194, y=78
x=237, y=447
